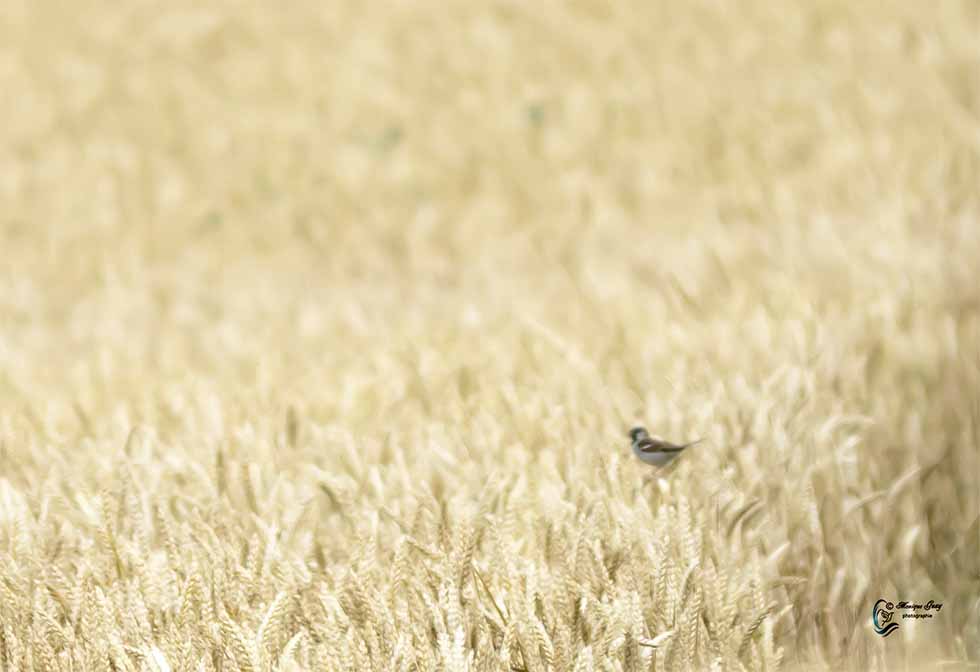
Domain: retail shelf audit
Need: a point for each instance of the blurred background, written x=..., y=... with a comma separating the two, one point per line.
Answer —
x=233, y=179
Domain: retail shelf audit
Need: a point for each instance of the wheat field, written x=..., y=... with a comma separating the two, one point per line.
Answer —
x=322, y=327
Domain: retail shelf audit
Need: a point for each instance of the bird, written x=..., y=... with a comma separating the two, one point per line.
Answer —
x=655, y=451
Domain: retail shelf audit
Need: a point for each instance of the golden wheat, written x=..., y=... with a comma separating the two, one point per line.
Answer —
x=321, y=327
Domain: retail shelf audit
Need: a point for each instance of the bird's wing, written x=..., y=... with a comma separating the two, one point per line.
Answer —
x=655, y=446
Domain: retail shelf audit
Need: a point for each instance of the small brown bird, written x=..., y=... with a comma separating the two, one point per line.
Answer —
x=655, y=451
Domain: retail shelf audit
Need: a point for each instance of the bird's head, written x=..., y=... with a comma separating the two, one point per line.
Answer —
x=638, y=433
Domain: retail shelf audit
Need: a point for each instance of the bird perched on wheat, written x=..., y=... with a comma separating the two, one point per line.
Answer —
x=656, y=451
